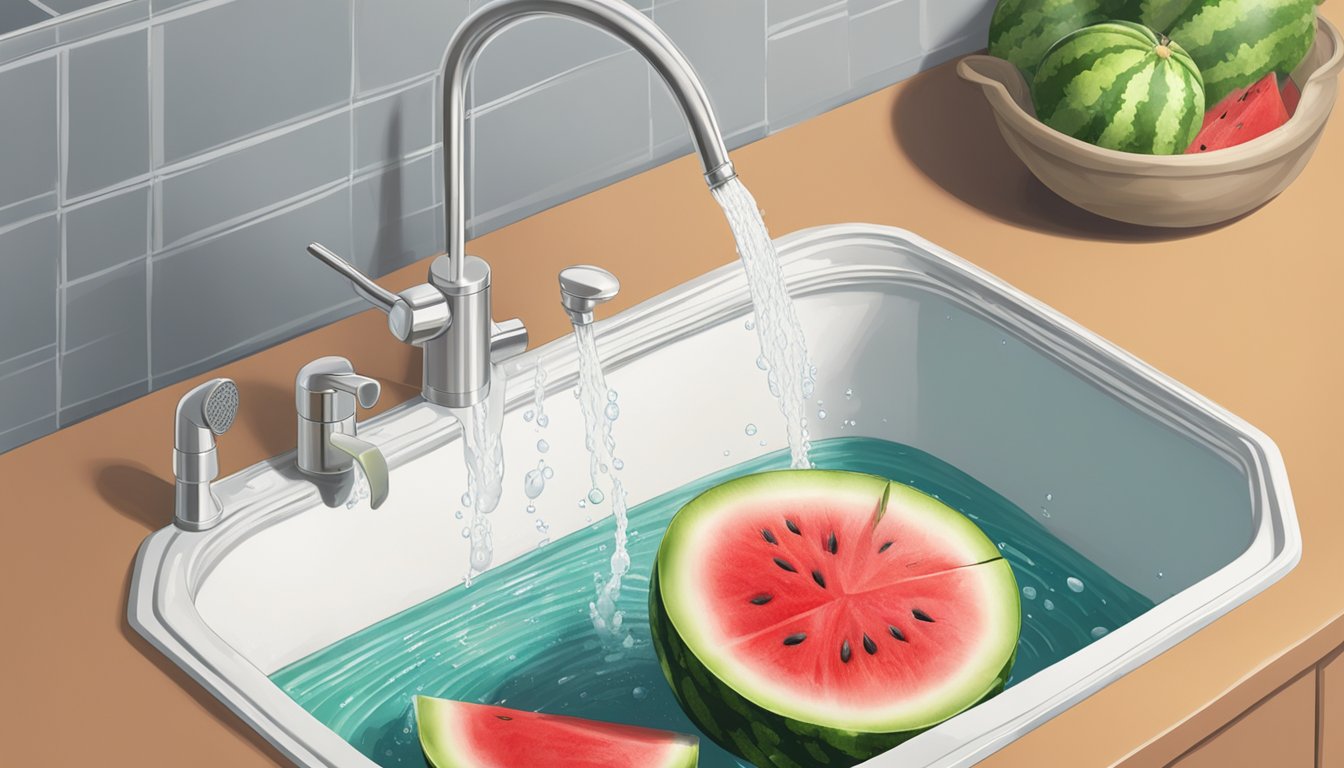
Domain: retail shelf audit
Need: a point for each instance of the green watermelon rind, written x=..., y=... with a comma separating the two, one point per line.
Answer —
x=437, y=719
x=1268, y=36
x=1021, y=31
x=1073, y=95
x=787, y=733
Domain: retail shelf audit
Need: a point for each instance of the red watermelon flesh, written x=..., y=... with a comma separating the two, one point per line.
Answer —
x=830, y=608
x=455, y=734
x=1242, y=116
x=1292, y=96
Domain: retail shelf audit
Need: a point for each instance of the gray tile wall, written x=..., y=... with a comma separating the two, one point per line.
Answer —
x=166, y=161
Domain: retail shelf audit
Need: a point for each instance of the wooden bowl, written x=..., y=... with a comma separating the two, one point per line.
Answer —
x=1165, y=190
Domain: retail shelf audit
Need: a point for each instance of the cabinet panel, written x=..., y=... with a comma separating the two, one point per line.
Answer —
x=1332, y=712
x=1279, y=731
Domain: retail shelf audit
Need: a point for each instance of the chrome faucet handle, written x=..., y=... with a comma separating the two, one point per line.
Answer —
x=414, y=316
x=327, y=392
x=583, y=287
x=507, y=339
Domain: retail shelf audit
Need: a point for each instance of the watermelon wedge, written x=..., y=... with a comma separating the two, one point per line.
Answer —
x=1245, y=114
x=1292, y=95
x=808, y=617
x=455, y=734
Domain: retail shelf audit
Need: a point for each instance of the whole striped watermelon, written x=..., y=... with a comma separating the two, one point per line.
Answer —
x=1021, y=31
x=1120, y=86
x=1235, y=42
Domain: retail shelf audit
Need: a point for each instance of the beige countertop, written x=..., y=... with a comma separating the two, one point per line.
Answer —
x=1248, y=314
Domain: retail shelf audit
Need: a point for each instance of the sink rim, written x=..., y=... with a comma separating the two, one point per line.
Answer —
x=171, y=565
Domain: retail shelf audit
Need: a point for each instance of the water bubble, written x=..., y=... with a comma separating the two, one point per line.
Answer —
x=849, y=394
x=595, y=496
x=1099, y=632
x=750, y=326
x=1045, y=512
x=618, y=464
x=760, y=363
x=534, y=482
x=1075, y=584
x=1049, y=606
x=762, y=443
x=543, y=420
x=602, y=468
x=543, y=446
x=466, y=532
x=1003, y=342
x=1161, y=575
x=548, y=473
x=640, y=693
x=821, y=413
x=527, y=415
x=542, y=527
x=601, y=547
x=1049, y=497
x=583, y=503
x=612, y=396
x=458, y=514
x=612, y=411
x=531, y=509
x=466, y=499
x=1029, y=593
x=751, y=429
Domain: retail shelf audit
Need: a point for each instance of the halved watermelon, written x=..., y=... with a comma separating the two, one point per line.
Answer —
x=1245, y=114
x=455, y=734
x=809, y=617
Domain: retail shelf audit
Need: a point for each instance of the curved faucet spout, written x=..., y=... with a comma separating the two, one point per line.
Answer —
x=612, y=16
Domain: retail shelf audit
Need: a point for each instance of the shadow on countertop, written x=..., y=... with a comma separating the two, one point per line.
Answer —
x=948, y=132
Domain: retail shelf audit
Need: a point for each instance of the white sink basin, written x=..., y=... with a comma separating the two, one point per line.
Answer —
x=1176, y=498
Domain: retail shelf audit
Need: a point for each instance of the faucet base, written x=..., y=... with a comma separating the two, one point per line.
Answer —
x=455, y=399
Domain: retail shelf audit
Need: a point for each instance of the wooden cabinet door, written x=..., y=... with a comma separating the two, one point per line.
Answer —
x=1331, y=716
x=1280, y=731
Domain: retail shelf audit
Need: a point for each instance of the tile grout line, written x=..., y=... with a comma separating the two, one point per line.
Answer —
x=152, y=208
x=62, y=152
x=350, y=138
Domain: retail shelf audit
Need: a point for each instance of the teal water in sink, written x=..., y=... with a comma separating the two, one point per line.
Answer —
x=522, y=636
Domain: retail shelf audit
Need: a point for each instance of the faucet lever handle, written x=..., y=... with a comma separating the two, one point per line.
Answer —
x=327, y=388
x=414, y=316
x=582, y=288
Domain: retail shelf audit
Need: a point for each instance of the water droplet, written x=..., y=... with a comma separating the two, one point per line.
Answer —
x=1099, y=632
x=618, y=464
x=750, y=326
x=1074, y=583
x=751, y=429
x=611, y=396
x=1029, y=593
x=1004, y=342
x=726, y=452
x=466, y=499
x=534, y=482
x=1161, y=575
x=531, y=509
x=601, y=547
x=760, y=363
x=543, y=446
x=1049, y=497
x=1049, y=605
x=548, y=473
x=595, y=496
x=849, y=394
x=762, y=443
x=612, y=411
x=542, y=527
x=640, y=693
x=821, y=413
x=543, y=420
x=458, y=514
x=466, y=532
x=527, y=415
x=1045, y=512
x=583, y=503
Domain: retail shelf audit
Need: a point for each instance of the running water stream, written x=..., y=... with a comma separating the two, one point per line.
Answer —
x=483, y=452
x=600, y=410
x=783, y=349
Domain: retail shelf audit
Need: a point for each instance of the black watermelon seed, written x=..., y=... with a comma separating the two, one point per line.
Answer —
x=770, y=537
x=503, y=717
x=885, y=547
x=795, y=639
x=922, y=616
x=762, y=599
x=844, y=651
x=821, y=580
x=831, y=543
x=785, y=564
x=896, y=633
x=793, y=526
x=869, y=645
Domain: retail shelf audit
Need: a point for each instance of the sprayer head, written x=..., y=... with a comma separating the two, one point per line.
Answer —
x=584, y=287
x=204, y=412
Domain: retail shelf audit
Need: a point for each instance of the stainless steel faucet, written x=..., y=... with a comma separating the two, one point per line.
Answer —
x=325, y=393
x=449, y=317
x=204, y=412
x=582, y=288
